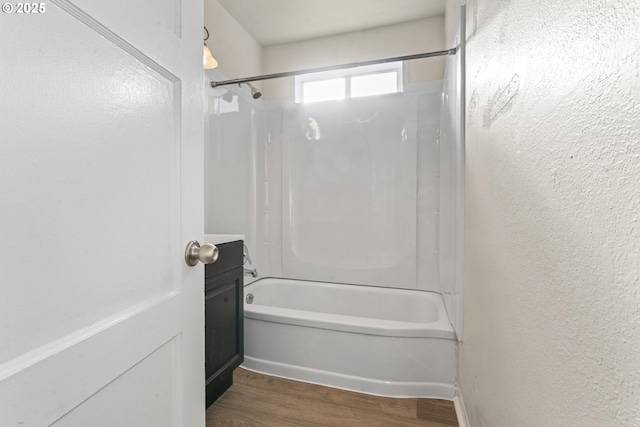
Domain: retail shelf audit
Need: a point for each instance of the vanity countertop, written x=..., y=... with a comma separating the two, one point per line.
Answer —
x=217, y=239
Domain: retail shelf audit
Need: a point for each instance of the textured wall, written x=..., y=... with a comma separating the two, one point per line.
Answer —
x=552, y=258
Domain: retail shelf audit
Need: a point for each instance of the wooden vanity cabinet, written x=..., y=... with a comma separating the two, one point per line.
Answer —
x=224, y=319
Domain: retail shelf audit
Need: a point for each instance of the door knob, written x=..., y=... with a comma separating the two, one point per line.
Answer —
x=207, y=253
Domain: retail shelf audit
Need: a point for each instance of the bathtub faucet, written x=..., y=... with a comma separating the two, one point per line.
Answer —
x=245, y=255
x=249, y=272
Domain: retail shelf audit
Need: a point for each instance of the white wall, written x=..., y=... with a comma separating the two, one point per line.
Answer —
x=237, y=53
x=419, y=36
x=552, y=260
x=451, y=16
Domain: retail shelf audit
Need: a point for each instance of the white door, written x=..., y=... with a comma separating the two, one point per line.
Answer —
x=101, y=320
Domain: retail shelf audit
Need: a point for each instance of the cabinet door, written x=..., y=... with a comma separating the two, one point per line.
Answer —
x=224, y=330
x=230, y=257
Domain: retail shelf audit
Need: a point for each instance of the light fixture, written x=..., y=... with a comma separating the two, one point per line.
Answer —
x=208, y=61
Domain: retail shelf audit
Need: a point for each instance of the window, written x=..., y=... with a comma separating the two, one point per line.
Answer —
x=374, y=84
x=324, y=90
x=355, y=82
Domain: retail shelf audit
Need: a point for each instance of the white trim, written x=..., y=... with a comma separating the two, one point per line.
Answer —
x=461, y=411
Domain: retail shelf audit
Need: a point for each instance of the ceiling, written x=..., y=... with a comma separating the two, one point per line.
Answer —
x=273, y=22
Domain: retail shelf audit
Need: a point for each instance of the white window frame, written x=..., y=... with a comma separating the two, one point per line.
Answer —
x=347, y=74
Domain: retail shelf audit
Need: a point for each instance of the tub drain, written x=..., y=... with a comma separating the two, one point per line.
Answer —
x=249, y=298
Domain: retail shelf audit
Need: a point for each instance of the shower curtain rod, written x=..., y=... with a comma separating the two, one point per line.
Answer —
x=334, y=67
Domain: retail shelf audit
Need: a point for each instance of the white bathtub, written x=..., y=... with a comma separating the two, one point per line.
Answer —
x=387, y=342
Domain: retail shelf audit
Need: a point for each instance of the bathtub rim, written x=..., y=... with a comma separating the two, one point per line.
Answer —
x=439, y=329
x=341, y=283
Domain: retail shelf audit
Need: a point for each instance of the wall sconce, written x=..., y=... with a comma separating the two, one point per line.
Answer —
x=208, y=61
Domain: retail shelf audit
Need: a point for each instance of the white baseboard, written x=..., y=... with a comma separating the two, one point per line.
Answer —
x=461, y=411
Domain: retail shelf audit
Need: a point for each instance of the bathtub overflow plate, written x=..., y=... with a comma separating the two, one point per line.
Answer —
x=249, y=298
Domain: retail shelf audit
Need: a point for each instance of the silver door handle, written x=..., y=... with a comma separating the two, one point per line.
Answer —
x=207, y=253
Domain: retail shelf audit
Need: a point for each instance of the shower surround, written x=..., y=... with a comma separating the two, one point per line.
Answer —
x=348, y=190
x=345, y=192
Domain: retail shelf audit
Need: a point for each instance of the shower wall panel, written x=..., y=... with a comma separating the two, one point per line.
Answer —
x=338, y=191
x=428, y=184
x=350, y=179
x=357, y=188
x=269, y=215
x=232, y=134
x=452, y=182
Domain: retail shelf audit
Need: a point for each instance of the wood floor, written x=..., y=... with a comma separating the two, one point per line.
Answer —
x=260, y=400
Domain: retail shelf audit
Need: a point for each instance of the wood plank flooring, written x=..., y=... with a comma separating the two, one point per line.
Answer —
x=257, y=400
